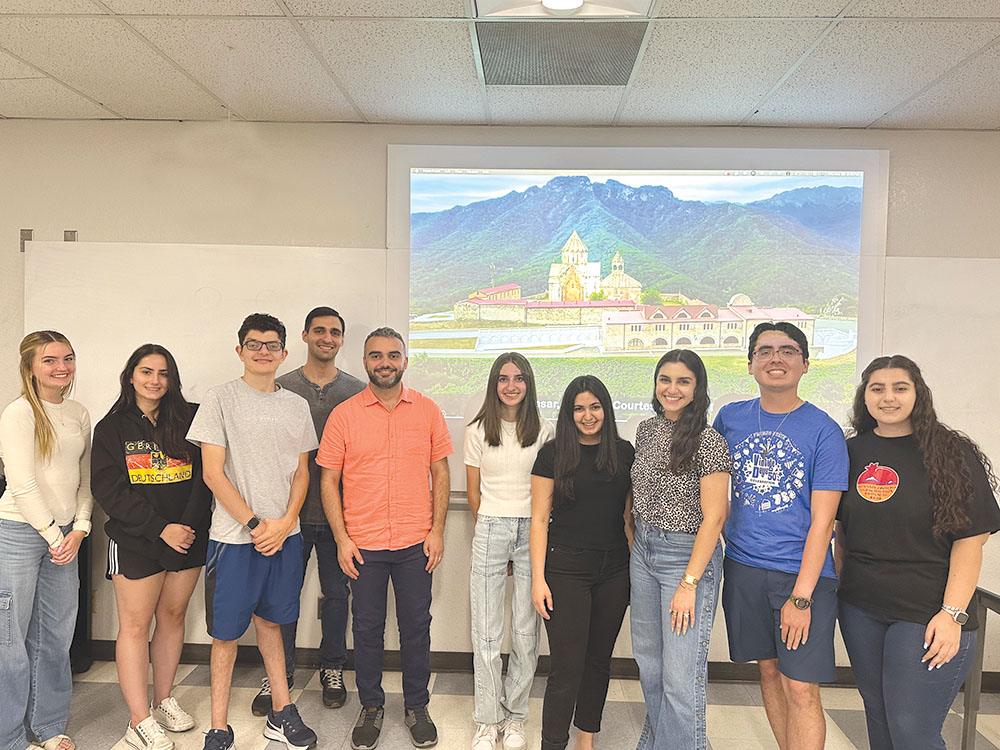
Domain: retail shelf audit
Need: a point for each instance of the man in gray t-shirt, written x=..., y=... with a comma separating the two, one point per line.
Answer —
x=323, y=386
x=255, y=442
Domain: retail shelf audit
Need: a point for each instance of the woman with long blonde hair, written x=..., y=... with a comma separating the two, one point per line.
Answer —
x=44, y=516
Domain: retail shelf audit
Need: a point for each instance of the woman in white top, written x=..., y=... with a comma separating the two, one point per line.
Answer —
x=500, y=448
x=44, y=516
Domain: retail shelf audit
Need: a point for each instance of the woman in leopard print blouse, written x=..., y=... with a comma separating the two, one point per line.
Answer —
x=680, y=479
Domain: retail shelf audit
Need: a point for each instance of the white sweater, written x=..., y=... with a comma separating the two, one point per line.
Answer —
x=39, y=491
x=505, y=469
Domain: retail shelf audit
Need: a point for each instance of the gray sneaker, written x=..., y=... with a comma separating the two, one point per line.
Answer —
x=423, y=733
x=367, y=728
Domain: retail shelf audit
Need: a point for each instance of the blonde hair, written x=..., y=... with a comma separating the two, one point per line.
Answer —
x=45, y=436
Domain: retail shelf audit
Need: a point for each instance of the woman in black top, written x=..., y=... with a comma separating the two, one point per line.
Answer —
x=147, y=478
x=580, y=497
x=912, y=525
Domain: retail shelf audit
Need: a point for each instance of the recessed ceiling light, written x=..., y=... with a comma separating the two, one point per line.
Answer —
x=562, y=4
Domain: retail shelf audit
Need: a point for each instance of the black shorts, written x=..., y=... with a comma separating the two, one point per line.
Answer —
x=135, y=566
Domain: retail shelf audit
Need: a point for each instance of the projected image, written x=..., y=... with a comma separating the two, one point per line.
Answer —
x=602, y=273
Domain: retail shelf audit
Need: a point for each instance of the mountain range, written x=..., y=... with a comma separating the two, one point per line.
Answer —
x=798, y=247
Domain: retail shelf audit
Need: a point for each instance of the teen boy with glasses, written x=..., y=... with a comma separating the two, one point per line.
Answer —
x=255, y=441
x=780, y=590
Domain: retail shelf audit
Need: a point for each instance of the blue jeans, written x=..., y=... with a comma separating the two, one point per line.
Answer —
x=905, y=705
x=673, y=670
x=38, y=605
x=411, y=583
x=498, y=540
x=333, y=610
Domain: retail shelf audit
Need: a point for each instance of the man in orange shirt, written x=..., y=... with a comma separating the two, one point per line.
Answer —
x=390, y=445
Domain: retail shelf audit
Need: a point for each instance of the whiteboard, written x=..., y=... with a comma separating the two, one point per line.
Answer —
x=108, y=298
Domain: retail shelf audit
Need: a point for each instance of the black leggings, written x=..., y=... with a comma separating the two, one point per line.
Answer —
x=590, y=590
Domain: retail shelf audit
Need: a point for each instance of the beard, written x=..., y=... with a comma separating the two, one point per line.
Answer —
x=380, y=381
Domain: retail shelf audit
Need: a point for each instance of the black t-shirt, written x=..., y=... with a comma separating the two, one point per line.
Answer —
x=596, y=518
x=894, y=564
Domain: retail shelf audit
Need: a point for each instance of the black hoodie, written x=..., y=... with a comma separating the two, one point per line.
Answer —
x=142, y=489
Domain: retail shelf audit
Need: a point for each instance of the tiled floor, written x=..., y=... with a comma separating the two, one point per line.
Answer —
x=736, y=718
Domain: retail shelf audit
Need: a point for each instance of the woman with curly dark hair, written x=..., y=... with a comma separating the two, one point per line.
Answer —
x=919, y=507
x=680, y=481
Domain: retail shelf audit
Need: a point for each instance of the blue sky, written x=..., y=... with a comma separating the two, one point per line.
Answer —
x=438, y=192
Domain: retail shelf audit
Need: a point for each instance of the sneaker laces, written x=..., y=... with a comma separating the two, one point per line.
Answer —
x=149, y=732
x=332, y=678
x=171, y=708
x=216, y=739
x=369, y=716
x=514, y=725
x=486, y=732
x=265, y=686
x=421, y=714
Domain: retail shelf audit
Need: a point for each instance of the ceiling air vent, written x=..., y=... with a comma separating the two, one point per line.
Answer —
x=558, y=53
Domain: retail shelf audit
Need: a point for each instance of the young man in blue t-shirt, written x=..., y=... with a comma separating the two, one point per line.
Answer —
x=780, y=595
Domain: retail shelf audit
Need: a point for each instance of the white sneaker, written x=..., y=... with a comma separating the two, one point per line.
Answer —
x=147, y=735
x=513, y=735
x=171, y=716
x=486, y=737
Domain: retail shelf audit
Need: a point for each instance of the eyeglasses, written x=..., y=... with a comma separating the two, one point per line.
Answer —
x=768, y=352
x=255, y=346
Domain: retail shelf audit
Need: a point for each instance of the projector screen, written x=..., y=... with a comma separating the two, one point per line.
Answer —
x=600, y=260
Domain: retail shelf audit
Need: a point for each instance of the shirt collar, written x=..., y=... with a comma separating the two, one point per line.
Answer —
x=370, y=399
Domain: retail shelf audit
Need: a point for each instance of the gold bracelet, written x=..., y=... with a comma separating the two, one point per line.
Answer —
x=690, y=581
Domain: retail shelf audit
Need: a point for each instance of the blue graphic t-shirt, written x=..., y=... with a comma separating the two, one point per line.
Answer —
x=774, y=474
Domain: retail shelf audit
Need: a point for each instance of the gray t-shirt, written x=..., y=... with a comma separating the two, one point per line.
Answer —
x=321, y=400
x=263, y=434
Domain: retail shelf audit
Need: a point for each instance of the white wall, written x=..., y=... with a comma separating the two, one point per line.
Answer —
x=324, y=186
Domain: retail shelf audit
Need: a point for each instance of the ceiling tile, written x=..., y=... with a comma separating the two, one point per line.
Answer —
x=262, y=68
x=404, y=71
x=712, y=72
x=11, y=67
x=751, y=8
x=968, y=97
x=45, y=98
x=865, y=68
x=553, y=105
x=925, y=9
x=379, y=8
x=109, y=63
x=196, y=7
x=55, y=7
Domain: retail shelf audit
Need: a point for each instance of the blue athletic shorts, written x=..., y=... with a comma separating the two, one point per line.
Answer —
x=752, y=599
x=240, y=582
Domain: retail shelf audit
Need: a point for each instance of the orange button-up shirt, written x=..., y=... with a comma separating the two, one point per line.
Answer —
x=385, y=459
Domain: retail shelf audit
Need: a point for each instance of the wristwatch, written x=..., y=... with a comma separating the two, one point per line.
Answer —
x=800, y=602
x=958, y=614
x=253, y=523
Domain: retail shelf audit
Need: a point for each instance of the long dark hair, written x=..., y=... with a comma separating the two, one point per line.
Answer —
x=174, y=413
x=528, y=421
x=568, y=438
x=942, y=449
x=694, y=418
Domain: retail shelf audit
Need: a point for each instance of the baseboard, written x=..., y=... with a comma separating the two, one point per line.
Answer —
x=456, y=661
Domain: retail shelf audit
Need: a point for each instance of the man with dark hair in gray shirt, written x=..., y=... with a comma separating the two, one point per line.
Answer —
x=323, y=386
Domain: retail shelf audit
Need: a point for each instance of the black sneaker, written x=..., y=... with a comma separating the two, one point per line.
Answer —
x=287, y=726
x=261, y=705
x=367, y=728
x=216, y=739
x=423, y=733
x=334, y=692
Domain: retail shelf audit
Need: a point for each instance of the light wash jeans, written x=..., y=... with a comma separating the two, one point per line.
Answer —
x=673, y=670
x=498, y=540
x=38, y=604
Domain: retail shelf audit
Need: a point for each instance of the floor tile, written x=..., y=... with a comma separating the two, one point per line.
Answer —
x=455, y=683
x=738, y=723
x=851, y=724
x=841, y=698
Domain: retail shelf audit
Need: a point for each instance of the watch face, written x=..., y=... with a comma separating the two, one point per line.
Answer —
x=253, y=523
x=961, y=617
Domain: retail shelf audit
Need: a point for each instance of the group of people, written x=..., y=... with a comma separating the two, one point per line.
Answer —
x=585, y=524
